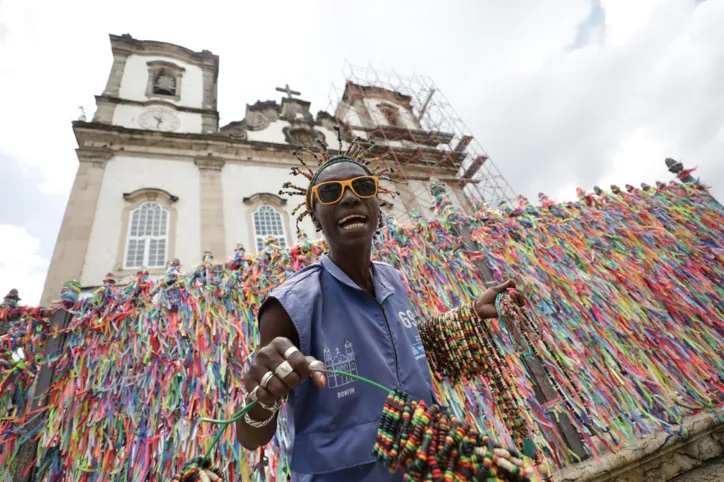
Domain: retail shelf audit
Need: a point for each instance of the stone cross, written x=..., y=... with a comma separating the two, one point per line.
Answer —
x=288, y=91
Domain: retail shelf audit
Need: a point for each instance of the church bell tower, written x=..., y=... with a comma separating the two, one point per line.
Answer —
x=159, y=86
x=142, y=182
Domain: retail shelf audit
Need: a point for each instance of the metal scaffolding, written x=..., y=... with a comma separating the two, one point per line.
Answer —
x=426, y=134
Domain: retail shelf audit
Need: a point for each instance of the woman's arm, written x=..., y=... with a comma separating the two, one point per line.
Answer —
x=485, y=303
x=277, y=334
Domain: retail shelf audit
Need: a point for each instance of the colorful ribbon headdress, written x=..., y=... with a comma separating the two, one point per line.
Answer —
x=356, y=153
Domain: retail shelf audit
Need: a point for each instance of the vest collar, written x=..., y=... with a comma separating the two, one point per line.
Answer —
x=383, y=289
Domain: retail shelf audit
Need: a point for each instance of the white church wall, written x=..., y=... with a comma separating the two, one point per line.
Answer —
x=128, y=116
x=135, y=81
x=124, y=175
x=244, y=180
x=330, y=136
x=273, y=133
x=424, y=199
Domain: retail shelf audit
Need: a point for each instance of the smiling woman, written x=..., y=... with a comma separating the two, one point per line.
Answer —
x=342, y=311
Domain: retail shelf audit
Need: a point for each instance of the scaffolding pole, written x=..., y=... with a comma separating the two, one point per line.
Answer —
x=425, y=139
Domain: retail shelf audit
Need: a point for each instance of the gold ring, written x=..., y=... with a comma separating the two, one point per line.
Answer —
x=283, y=370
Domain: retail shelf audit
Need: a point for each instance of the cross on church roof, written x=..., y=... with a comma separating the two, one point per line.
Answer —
x=288, y=91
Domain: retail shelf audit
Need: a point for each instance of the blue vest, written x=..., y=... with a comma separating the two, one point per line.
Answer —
x=335, y=427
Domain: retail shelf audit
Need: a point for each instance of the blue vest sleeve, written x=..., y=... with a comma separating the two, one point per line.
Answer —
x=298, y=302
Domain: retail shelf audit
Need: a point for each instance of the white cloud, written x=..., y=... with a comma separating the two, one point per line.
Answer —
x=625, y=18
x=610, y=112
x=21, y=266
x=549, y=116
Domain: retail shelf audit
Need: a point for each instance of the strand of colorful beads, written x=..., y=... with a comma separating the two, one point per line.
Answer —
x=459, y=344
x=412, y=437
x=427, y=443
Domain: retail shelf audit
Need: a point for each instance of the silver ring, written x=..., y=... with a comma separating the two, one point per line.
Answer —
x=252, y=394
x=290, y=351
x=283, y=370
x=319, y=364
x=266, y=378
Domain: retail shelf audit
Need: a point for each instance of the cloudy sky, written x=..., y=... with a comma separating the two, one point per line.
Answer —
x=560, y=93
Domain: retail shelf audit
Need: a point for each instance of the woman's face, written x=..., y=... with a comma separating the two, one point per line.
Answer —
x=342, y=231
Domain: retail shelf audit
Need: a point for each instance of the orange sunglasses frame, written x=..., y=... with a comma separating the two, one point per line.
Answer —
x=346, y=184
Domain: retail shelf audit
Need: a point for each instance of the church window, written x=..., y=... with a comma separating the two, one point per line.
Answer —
x=353, y=117
x=164, y=80
x=268, y=222
x=392, y=115
x=147, y=239
x=165, y=83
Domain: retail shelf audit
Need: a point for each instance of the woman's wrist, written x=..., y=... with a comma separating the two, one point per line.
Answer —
x=259, y=417
x=261, y=414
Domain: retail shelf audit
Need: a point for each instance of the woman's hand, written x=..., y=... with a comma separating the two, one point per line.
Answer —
x=485, y=304
x=282, y=367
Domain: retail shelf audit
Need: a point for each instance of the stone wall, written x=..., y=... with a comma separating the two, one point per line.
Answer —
x=658, y=458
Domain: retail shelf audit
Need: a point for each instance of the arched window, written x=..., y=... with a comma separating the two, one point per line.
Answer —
x=147, y=240
x=164, y=80
x=268, y=222
x=392, y=115
x=164, y=83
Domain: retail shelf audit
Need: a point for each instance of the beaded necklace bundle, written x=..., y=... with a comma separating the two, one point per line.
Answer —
x=428, y=443
x=459, y=344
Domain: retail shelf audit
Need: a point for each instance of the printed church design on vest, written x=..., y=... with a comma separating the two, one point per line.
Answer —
x=344, y=363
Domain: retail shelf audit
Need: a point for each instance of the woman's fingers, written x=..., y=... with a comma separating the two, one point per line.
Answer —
x=316, y=371
x=300, y=365
x=502, y=287
x=273, y=391
x=288, y=366
x=518, y=297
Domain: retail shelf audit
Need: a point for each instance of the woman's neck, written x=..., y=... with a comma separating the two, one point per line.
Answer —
x=355, y=265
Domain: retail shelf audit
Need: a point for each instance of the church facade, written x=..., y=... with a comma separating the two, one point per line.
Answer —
x=158, y=178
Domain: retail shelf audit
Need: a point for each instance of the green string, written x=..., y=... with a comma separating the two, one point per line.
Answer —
x=240, y=414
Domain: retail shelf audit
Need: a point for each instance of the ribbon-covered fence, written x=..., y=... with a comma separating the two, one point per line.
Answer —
x=626, y=290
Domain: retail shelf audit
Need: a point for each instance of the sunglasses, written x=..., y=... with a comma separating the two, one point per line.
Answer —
x=331, y=192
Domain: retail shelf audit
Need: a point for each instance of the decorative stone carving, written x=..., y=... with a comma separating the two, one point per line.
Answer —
x=325, y=119
x=150, y=194
x=302, y=135
x=296, y=110
x=264, y=198
x=235, y=130
x=261, y=114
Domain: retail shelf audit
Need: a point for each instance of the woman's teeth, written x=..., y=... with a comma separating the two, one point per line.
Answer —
x=352, y=226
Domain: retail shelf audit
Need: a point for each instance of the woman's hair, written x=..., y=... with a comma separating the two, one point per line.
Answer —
x=323, y=162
